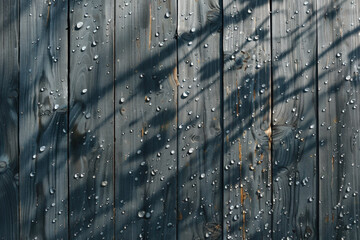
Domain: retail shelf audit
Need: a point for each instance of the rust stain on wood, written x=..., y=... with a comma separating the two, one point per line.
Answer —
x=242, y=199
x=180, y=216
x=48, y=13
x=239, y=153
x=175, y=76
x=268, y=133
x=164, y=127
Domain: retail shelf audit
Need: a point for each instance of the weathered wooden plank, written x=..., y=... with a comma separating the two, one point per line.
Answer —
x=91, y=139
x=145, y=110
x=199, y=120
x=247, y=120
x=339, y=118
x=294, y=119
x=43, y=120
x=9, y=80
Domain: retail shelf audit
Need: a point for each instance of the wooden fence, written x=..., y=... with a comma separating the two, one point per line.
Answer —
x=179, y=119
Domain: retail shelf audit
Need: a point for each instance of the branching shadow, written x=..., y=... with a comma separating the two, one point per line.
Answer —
x=140, y=196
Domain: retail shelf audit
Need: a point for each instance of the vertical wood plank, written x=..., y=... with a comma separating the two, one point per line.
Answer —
x=199, y=120
x=294, y=119
x=145, y=110
x=247, y=120
x=339, y=118
x=91, y=138
x=43, y=119
x=9, y=89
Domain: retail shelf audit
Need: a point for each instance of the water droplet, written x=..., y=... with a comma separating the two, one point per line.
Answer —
x=141, y=214
x=42, y=148
x=84, y=91
x=185, y=94
x=167, y=14
x=104, y=183
x=79, y=25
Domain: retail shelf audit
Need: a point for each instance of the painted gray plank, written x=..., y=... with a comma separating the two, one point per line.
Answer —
x=145, y=111
x=247, y=120
x=43, y=120
x=339, y=118
x=294, y=120
x=199, y=120
x=91, y=139
x=9, y=159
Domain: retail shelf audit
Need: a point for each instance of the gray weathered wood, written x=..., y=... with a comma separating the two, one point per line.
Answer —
x=9, y=80
x=145, y=110
x=339, y=118
x=294, y=120
x=247, y=120
x=199, y=120
x=43, y=120
x=221, y=121
x=91, y=138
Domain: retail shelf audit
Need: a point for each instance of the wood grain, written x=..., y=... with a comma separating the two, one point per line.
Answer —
x=339, y=118
x=145, y=111
x=9, y=144
x=43, y=121
x=294, y=120
x=171, y=119
x=199, y=120
x=247, y=120
x=91, y=145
